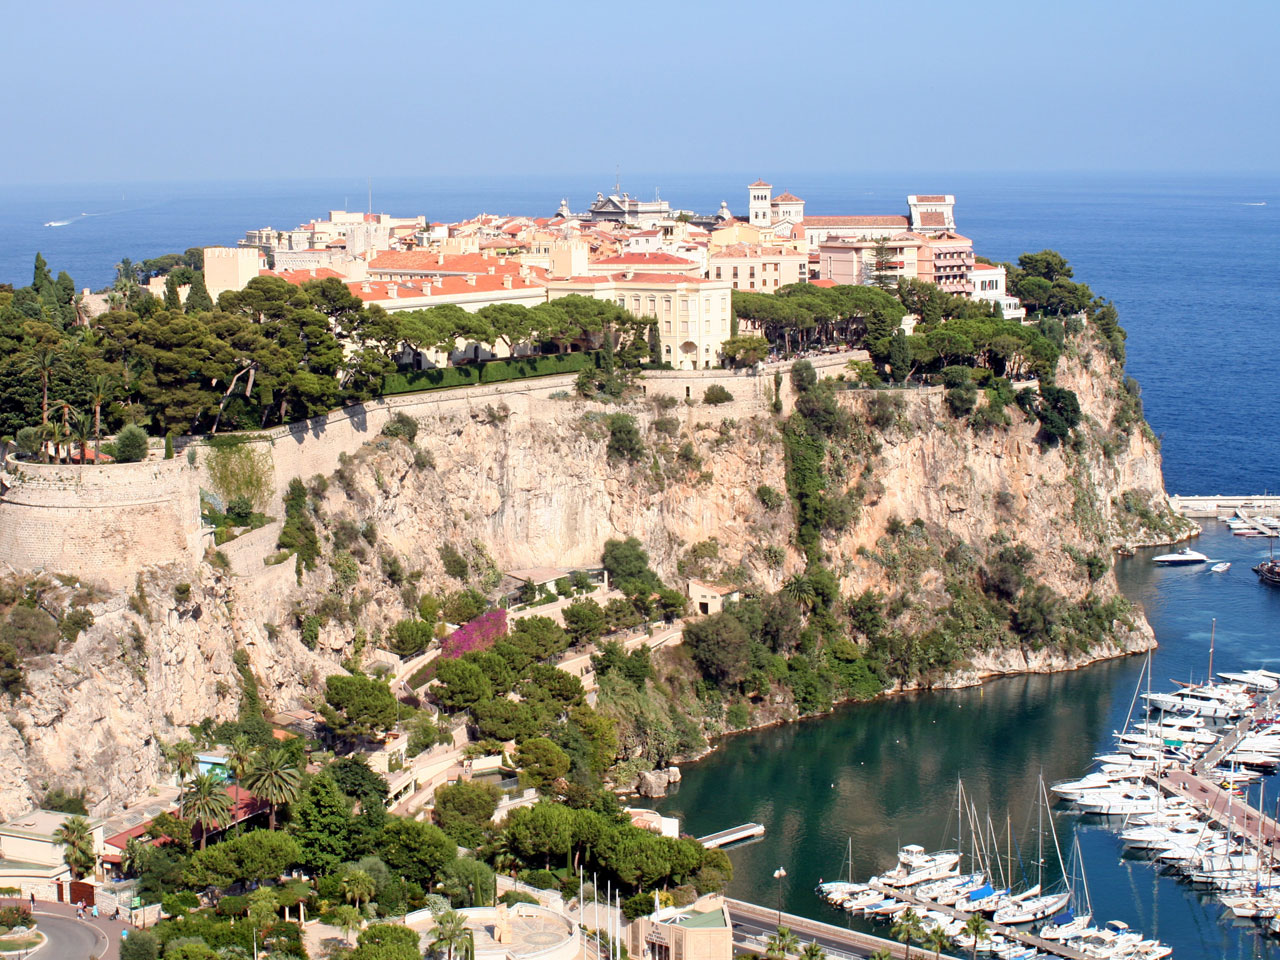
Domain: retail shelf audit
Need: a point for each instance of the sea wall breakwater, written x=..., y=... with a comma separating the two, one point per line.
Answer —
x=947, y=553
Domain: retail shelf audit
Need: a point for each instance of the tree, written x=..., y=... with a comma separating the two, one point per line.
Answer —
x=358, y=706
x=42, y=363
x=357, y=887
x=883, y=265
x=976, y=927
x=239, y=757
x=468, y=882
x=465, y=809
x=899, y=356
x=205, y=802
x=182, y=755
x=542, y=761
x=321, y=822
x=781, y=944
x=273, y=776
x=140, y=945
x=451, y=934
x=262, y=908
x=584, y=620
x=718, y=645
x=76, y=837
x=415, y=850
x=346, y=918
x=907, y=928
x=198, y=299
x=937, y=940
x=542, y=831
x=131, y=444
x=627, y=564
x=463, y=684
x=812, y=951
x=360, y=782
x=504, y=719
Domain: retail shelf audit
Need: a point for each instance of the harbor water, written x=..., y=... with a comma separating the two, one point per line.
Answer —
x=884, y=774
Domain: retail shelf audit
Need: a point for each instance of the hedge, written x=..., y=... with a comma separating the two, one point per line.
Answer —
x=492, y=371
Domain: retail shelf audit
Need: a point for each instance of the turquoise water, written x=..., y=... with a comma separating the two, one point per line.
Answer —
x=885, y=773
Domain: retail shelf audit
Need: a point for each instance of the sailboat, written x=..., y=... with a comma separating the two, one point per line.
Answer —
x=1073, y=920
x=1034, y=904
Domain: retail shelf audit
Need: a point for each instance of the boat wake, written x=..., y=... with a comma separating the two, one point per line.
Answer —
x=1260, y=203
x=61, y=223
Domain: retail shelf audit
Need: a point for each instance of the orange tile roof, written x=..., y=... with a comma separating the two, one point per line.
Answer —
x=299, y=277
x=428, y=262
x=823, y=283
x=932, y=218
x=761, y=183
x=986, y=266
x=931, y=198
x=787, y=198
x=646, y=259
x=857, y=221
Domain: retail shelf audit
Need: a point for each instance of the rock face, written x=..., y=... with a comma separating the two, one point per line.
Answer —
x=653, y=783
x=530, y=483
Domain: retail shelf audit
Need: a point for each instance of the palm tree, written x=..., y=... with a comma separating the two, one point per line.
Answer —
x=976, y=927
x=135, y=852
x=76, y=836
x=907, y=928
x=239, y=756
x=937, y=940
x=48, y=439
x=273, y=777
x=451, y=934
x=101, y=391
x=183, y=757
x=81, y=434
x=358, y=887
x=800, y=589
x=206, y=802
x=346, y=918
x=42, y=363
x=882, y=954
x=812, y=951
x=781, y=944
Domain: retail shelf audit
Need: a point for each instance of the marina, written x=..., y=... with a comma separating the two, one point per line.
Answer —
x=738, y=834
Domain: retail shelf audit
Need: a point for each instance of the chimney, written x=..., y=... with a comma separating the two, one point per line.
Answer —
x=506, y=281
x=502, y=261
x=365, y=288
x=438, y=281
x=439, y=259
x=492, y=270
x=471, y=279
x=392, y=290
x=628, y=274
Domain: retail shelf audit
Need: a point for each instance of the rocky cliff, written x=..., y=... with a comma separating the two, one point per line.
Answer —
x=530, y=482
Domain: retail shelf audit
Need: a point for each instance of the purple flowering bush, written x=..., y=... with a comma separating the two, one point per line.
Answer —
x=478, y=634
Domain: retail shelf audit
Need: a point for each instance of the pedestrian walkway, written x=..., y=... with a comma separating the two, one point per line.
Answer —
x=1223, y=807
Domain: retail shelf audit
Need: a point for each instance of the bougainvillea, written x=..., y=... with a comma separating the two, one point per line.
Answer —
x=478, y=634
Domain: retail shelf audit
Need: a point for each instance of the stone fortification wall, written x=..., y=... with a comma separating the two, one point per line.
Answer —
x=100, y=523
x=105, y=523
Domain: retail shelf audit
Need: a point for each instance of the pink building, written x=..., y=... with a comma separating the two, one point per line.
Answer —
x=947, y=260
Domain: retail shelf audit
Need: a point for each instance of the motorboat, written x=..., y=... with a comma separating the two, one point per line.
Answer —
x=1181, y=558
x=1251, y=678
x=916, y=866
x=1221, y=567
x=1065, y=926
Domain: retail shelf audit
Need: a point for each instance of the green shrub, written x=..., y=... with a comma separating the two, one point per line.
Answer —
x=345, y=570
x=668, y=426
x=512, y=897
x=408, y=638
x=769, y=498
x=624, y=438
x=716, y=394
x=401, y=426
x=239, y=511
x=168, y=446
x=131, y=444
x=542, y=879
x=182, y=592
x=455, y=565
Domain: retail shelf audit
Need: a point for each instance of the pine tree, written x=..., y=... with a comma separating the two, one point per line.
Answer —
x=655, y=344
x=42, y=279
x=882, y=271
x=899, y=356
x=198, y=299
x=64, y=293
x=172, y=300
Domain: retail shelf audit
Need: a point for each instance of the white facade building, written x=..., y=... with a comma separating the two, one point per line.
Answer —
x=989, y=284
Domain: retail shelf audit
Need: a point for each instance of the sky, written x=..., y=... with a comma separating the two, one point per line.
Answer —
x=138, y=91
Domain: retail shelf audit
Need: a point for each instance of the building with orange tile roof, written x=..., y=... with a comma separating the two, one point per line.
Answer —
x=753, y=266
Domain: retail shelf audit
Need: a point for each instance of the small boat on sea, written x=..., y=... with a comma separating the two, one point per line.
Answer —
x=1269, y=572
x=1221, y=567
x=1182, y=558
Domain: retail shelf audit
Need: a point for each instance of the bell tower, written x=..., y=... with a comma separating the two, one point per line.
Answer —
x=760, y=203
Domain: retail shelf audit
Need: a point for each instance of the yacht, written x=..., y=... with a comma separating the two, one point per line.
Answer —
x=915, y=866
x=1032, y=908
x=1182, y=558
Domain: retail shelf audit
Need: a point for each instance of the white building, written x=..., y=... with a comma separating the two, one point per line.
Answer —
x=989, y=284
x=932, y=213
x=766, y=210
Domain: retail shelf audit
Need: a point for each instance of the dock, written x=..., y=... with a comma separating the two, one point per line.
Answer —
x=722, y=838
x=1217, y=505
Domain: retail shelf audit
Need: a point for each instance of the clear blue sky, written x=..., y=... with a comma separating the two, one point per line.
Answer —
x=231, y=89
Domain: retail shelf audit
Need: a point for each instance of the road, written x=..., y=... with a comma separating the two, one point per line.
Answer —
x=69, y=939
x=752, y=926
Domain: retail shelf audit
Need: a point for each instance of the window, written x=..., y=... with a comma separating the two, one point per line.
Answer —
x=735, y=273
x=717, y=273
x=753, y=271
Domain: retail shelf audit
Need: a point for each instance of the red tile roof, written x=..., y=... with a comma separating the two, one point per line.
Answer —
x=448, y=287
x=646, y=260
x=932, y=218
x=931, y=198
x=823, y=283
x=299, y=277
x=787, y=198
x=858, y=221
x=427, y=263
x=761, y=183
x=986, y=266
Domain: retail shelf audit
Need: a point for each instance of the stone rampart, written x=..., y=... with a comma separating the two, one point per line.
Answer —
x=99, y=523
x=104, y=523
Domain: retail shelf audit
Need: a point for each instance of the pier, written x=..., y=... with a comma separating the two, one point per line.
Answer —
x=1216, y=506
x=722, y=838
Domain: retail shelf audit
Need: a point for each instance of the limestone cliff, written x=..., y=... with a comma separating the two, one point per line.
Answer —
x=529, y=482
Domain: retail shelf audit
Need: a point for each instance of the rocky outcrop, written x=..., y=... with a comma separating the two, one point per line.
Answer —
x=529, y=482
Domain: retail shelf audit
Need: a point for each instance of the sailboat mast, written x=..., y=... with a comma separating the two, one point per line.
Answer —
x=1213, y=629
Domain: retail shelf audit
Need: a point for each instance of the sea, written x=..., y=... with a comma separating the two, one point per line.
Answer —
x=1192, y=266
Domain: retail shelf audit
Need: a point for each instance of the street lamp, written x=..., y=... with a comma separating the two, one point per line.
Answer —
x=778, y=875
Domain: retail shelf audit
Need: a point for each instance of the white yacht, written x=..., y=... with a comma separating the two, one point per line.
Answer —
x=1032, y=908
x=1184, y=557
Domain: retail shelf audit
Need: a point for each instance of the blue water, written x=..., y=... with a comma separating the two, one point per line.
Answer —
x=884, y=774
x=1191, y=263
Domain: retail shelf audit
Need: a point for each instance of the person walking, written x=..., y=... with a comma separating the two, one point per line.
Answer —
x=95, y=911
x=33, y=903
